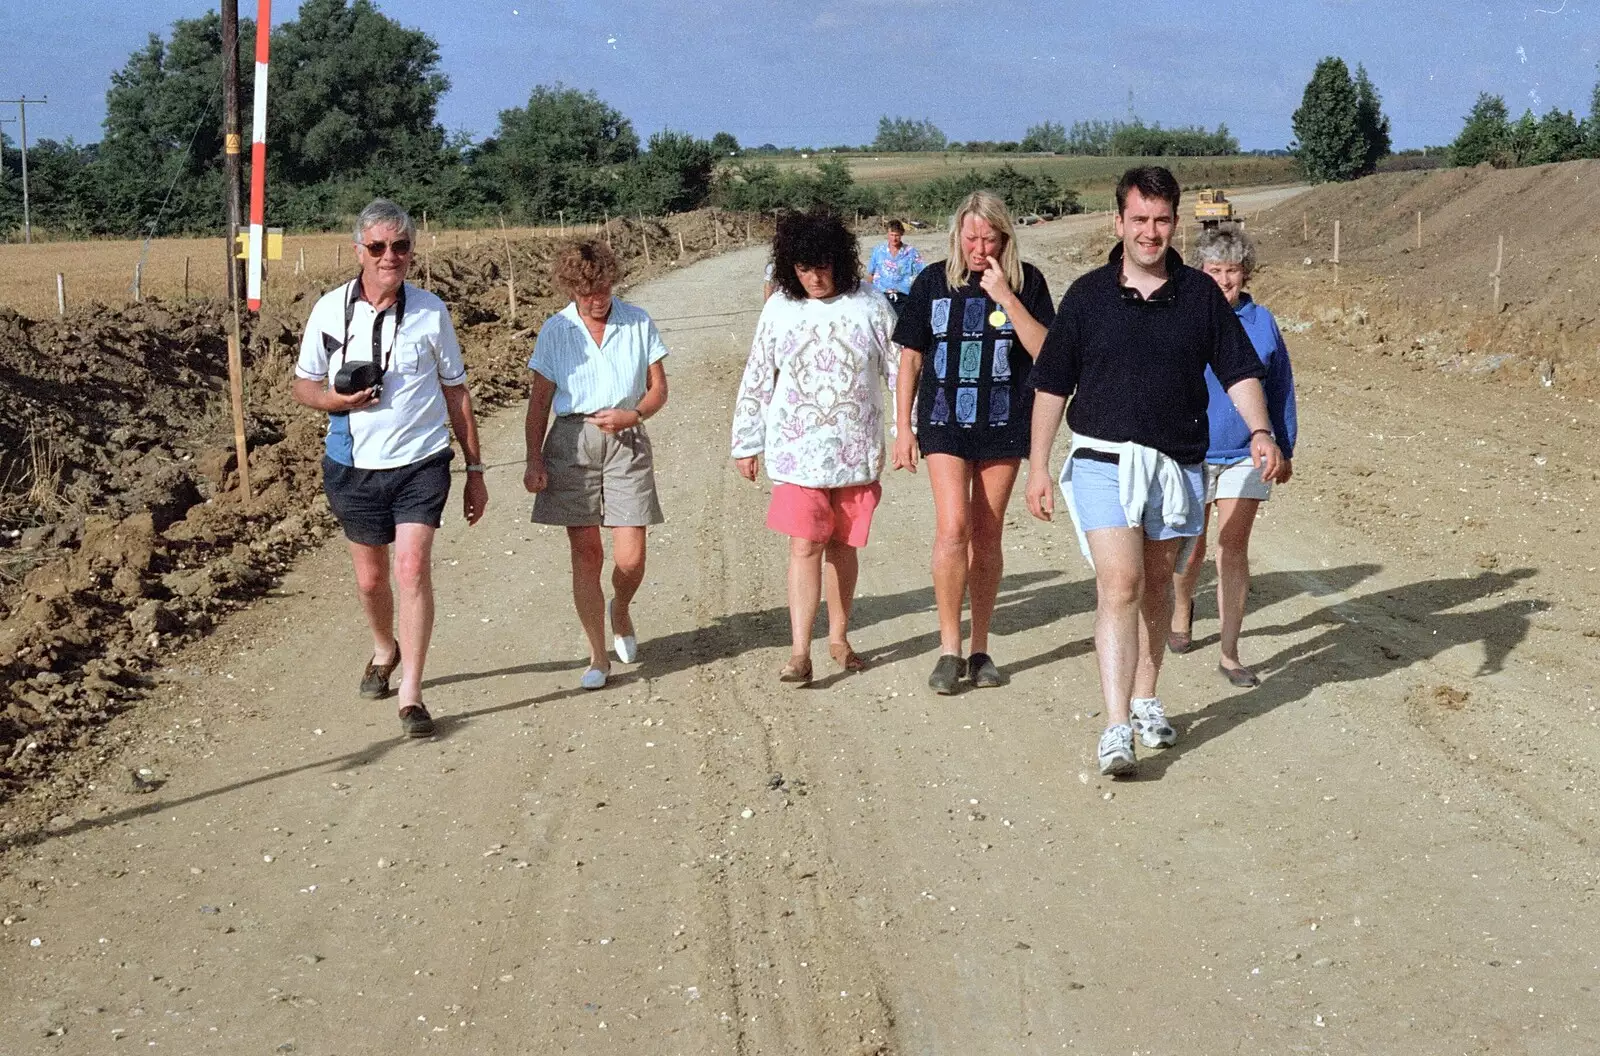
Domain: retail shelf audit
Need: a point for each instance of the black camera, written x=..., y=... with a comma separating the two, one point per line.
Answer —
x=355, y=377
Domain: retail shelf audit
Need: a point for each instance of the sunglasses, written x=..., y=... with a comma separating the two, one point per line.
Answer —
x=401, y=247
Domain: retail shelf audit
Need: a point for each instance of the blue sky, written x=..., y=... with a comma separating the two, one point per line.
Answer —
x=821, y=72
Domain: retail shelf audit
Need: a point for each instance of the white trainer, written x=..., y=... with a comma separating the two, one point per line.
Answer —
x=1116, y=750
x=1150, y=723
x=626, y=645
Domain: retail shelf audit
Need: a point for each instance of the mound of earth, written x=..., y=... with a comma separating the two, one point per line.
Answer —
x=1438, y=301
x=122, y=525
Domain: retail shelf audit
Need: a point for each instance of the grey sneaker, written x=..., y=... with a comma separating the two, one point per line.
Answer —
x=1116, y=750
x=946, y=677
x=1150, y=723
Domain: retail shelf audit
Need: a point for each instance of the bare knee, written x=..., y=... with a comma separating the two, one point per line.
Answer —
x=805, y=549
x=1119, y=588
x=411, y=570
x=952, y=533
x=588, y=552
x=1233, y=543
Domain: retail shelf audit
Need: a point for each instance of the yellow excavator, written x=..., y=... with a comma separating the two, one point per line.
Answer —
x=1212, y=208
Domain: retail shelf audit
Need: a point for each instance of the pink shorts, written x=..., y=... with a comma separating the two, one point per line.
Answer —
x=821, y=515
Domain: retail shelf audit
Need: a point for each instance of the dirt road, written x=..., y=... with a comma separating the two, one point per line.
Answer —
x=1383, y=849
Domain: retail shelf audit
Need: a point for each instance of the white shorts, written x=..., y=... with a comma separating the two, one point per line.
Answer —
x=1236, y=480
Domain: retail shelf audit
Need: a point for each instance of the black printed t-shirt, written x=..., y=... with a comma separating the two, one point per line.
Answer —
x=1135, y=369
x=974, y=370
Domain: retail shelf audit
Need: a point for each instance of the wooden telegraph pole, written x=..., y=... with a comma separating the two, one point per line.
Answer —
x=22, y=110
x=233, y=179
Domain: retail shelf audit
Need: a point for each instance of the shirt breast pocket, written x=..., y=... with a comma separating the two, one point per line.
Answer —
x=412, y=357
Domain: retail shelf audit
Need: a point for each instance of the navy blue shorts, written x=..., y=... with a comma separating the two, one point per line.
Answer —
x=370, y=502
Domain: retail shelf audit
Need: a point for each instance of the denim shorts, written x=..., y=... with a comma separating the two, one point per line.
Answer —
x=1096, y=499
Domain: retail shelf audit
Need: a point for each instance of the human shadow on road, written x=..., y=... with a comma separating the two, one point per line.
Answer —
x=1027, y=600
x=444, y=726
x=1365, y=638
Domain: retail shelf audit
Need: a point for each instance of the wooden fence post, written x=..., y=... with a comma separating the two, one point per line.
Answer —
x=607, y=227
x=681, y=251
x=511, y=273
x=186, y=279
x=61, y=294
x=138, y=281
x=1336, y=252
x=644, y=237
x=1499, y=259
x=1419, y=228
x=1305, y=228
x=338, y=257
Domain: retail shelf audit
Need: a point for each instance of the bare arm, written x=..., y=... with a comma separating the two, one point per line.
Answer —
x=1047, y=410
x=905, y=395
x=317, y=396
x=1250, y=400
x=1029, y=330
x=474, y=494
x=541, y=394
x=614, y=419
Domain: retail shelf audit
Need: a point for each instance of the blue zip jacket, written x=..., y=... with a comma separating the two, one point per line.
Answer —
x=1230, y=436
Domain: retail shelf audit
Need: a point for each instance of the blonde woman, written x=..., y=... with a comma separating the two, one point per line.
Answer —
x=969, y=331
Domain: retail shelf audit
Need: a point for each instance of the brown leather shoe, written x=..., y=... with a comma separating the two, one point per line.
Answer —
x=375, y=679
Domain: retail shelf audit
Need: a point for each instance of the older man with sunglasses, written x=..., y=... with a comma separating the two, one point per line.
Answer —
x=381, y=358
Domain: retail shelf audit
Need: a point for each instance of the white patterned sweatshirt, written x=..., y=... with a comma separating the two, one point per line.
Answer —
x=812, y=397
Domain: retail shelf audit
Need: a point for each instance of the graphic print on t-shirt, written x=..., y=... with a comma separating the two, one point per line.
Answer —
x=940, y=415
x=941, y=316
x=966, y=405
x=972, y=316
x=971, y=359
x=999, y=405
x=1000, y=370
x=941, y=360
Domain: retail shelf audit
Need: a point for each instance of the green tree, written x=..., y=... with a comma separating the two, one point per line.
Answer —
x=906, y=134
x=1372, y=123
x=1486, y=135
x=673, y=176
x=1559, y=138
x=1591, y=127
x=163, y=133
x=1327, y=129
x=725, y=145
x=352, y=90
x=557, y=154
x=1049, y=137
x=1524, y=134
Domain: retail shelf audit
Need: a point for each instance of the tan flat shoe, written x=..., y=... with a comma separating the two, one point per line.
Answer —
x=846, y=657
x=798, y=669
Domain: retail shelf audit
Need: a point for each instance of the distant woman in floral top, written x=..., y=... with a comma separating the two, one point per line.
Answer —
x=812, y=401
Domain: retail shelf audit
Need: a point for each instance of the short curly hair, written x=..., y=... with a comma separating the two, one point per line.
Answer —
x=586, y=264
x=1227, y=245
x=815, y=239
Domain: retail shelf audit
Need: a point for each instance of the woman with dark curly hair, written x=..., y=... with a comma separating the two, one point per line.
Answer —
x=811, y=401
x=597, y=364
x=970, y=329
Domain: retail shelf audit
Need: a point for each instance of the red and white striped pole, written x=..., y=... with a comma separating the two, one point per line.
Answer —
x=258, y=156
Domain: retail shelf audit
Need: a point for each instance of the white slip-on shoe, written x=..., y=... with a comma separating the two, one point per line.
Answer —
x=625, y=645
x=594, y=678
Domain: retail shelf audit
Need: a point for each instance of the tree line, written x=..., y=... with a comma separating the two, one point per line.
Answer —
x=1489, y=135
x=1132, y=138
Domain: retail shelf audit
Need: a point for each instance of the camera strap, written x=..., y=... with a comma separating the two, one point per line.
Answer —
x=352, y=295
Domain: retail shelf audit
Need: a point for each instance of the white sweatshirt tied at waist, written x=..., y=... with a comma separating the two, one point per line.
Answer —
x=1140, y=469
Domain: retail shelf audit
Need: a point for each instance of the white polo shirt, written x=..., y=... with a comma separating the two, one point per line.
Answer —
x=410, y=422
x=593, y=377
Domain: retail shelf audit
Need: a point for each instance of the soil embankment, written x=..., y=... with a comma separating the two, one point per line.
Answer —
x=122, y=530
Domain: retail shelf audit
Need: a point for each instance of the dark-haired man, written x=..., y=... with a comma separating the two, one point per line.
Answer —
x=1129, y=347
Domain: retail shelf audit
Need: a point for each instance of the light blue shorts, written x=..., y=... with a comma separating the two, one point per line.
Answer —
x=1097, y=501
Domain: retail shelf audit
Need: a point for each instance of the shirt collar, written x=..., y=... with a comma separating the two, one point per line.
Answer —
x=1165, y=292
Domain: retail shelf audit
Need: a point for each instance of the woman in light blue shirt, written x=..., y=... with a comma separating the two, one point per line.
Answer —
x=893, y=265
x=597, y=366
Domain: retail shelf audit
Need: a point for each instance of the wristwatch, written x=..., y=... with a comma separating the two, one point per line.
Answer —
x=476, y=467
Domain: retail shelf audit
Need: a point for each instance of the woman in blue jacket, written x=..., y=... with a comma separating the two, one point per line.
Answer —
x=1233, y=485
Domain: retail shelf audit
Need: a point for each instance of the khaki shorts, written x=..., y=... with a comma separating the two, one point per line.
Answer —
x=1236, y=480
x=597, y=477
